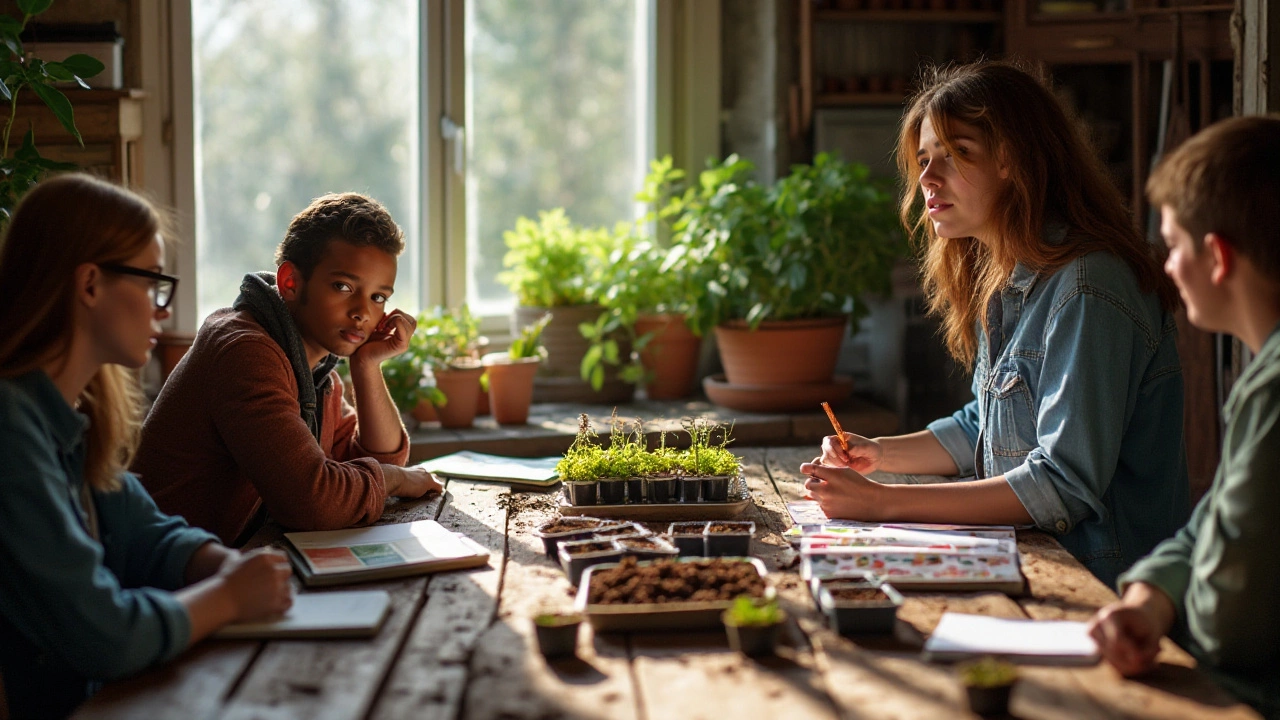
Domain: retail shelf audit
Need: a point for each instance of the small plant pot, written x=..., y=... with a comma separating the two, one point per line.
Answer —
x=557, y=635
x=635, y=490
x=579, y=555
x=568, y=529
x=689, y=538
x=645, y=548
x=715, y=489
x=752, y=640
x=732, y=538
x=660, y=489
x=511, y=387
x=461, y=388
x=860, y=608
x=611, y=491
x=989, y=700
x=580, y=493
x=690, y=489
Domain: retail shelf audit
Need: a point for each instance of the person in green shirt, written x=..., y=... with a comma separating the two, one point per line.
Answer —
x=1215, y=586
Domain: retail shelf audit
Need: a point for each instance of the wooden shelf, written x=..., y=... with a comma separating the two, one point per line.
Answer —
x=858, y=99
x=908, y=16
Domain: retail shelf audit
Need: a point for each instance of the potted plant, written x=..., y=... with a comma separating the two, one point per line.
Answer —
x=554, y=265
x=988, y=683
x=448, y=342
x=752, y=625
x=557, y=634
x=581, y=465
x=711, y=463
x=787, y=267
x=23, y=167
x=511, y=374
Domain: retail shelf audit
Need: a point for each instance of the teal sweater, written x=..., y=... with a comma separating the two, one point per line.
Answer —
x=1222, y=570
x=75, y=611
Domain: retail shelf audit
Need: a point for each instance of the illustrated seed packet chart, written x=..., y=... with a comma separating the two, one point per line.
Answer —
x=909, y=556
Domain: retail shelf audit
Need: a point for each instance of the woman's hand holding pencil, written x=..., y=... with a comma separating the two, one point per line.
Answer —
x=848, y=450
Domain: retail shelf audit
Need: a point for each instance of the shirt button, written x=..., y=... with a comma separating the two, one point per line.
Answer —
x=1062, y=526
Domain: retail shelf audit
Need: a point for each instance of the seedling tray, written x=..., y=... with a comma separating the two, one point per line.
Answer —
x=645, y=617
x=660, y=512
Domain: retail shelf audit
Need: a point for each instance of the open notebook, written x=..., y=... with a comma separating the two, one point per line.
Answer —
x=1045, y=642
x=342, y=614
x=332, y=557
x=540, y=472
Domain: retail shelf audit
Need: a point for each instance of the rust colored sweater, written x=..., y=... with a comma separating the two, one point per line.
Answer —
x=226, y=435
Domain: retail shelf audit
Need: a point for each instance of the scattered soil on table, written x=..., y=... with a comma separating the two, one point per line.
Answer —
x=859, y=594
x=668, y=581
x=517, y=503
x=729, y=528
x=587, y=548
x=571, y=524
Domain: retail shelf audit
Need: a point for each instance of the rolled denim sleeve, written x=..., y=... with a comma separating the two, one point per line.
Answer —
x=57, y=590
x=143, y=546
x=958, y=435
x=1090, y=345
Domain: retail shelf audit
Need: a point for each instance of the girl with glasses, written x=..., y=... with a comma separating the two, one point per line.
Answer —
x=98, y=584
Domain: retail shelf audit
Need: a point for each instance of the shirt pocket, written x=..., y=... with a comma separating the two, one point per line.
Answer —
x=1011, y=429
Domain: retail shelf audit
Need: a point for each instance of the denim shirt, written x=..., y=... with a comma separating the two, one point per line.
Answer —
x=1078, y=404
x=75, y=610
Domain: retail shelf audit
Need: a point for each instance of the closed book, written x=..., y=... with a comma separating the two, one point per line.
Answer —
x=959, y=636
x=340, y=614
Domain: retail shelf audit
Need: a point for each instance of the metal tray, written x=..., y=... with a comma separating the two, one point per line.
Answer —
x=655, y=616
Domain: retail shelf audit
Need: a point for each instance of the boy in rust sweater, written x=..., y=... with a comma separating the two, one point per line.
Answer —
x=252, y=422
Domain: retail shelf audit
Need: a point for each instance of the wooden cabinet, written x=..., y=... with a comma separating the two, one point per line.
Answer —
x=110, y=121
x=867, y=52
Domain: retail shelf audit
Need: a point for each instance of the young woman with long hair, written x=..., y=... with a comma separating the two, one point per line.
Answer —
x=98, y=584
x=1046, y=290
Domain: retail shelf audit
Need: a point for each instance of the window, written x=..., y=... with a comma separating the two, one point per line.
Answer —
x=295, y=98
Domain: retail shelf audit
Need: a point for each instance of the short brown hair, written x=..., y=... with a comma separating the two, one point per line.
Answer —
x=351, y=217
x=1226, y=180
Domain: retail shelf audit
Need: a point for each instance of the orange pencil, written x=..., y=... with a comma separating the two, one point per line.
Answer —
x=836, y=424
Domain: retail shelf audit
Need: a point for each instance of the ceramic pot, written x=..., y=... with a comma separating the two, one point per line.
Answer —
x=510, y=387
x=670, y=358
x=787, y=352
x=461, y=388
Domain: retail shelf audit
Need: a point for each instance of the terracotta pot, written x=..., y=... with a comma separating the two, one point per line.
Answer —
x=510, y=387
x=784, y=352
x=559, y=378
x=670, y=357
x=425, y=412
x=461, y=387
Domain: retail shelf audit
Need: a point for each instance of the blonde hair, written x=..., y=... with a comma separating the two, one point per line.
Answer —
x=59, y=225
x=1053, y=173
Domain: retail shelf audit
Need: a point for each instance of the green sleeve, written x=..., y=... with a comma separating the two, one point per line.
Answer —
x=1235, y=580
x=1168, y=566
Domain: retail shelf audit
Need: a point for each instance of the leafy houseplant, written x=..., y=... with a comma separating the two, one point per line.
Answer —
x=511, y=374
x=752, y=625
x=17, y=71
x=450, y=343
x=804, y=251
x=554, y=265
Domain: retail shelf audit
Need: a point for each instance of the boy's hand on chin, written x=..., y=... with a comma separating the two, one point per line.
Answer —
x=388, y=339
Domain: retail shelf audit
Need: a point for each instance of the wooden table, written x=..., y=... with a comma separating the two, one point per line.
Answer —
x=460, y=645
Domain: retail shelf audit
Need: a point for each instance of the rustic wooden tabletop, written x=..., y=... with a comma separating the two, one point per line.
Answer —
x=461, y=645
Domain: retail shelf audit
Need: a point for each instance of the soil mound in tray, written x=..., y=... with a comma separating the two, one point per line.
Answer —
x=858, y=595
x=570, y=524
x=668, y=581
x=737, y=528
x=588, y=548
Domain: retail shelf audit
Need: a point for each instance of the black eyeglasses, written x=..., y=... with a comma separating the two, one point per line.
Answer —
x=162, y=286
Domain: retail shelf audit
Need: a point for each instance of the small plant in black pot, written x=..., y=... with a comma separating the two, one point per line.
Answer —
x=988, y=682
x=557, y=634
x=752, y=625
x=709, y=459
x=729, y=537
x=582, y=465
